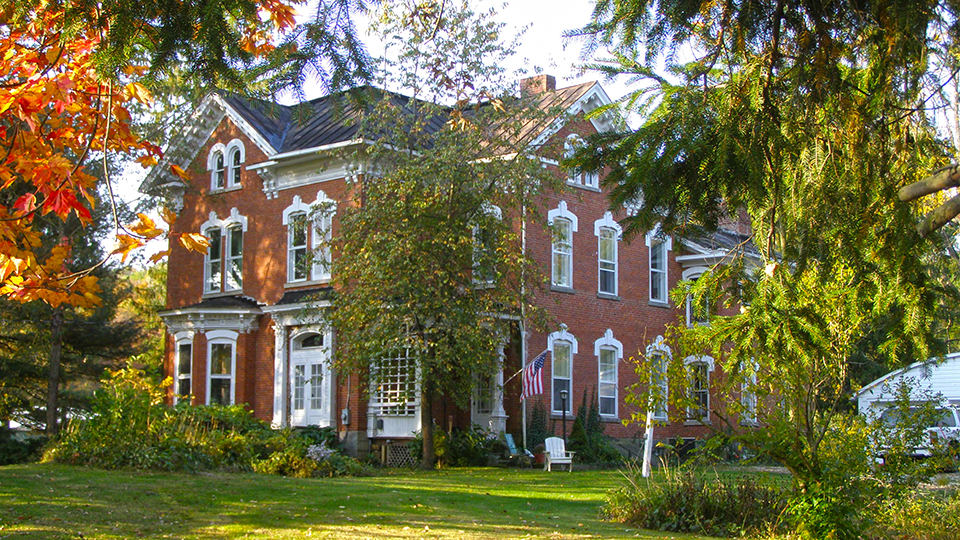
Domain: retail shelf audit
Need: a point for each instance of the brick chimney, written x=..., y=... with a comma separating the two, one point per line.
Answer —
x=537, y=84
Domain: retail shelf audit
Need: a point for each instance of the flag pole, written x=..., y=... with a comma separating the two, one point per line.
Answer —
x=523, y=366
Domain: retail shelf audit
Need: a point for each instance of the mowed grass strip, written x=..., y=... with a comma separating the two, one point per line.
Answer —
x=60, y=502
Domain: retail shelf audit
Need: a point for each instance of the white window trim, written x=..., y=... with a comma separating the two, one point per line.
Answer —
x=651, y=240
x=219, y=337
x=217, y=149
x=229, y=258
x=234, y=146
x=318, y=224
x=289, y=221
x=610, y=343
x=660, y=347
x=181, y=338
x=568, y=338
x=608, y=223
x=708, y=362
x=748, y=397
x=562, y=212
x=692, y=274
x=233, y=219
x=575, y=176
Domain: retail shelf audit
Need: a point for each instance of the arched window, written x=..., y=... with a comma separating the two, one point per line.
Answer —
x=219, y=175
x=608, y=233
x=236, y=160
x=564, y=224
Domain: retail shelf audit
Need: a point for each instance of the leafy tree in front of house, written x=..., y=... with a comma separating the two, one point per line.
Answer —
x=429, y=267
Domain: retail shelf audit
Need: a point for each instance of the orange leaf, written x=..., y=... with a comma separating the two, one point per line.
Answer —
x=145, y=227
x=168, y=216
x=195, y=242
x=184, y=175
x=126, y=244
x=159, y=255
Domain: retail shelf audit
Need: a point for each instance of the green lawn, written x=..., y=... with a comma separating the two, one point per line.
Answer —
x=60, y=502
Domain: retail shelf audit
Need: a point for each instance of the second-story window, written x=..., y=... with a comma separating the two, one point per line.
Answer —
x=562, y=253
x=297, y=256
x=213, y=271
x=223, y=263
x=607, y=261
x=234, y=280
x=658, y=271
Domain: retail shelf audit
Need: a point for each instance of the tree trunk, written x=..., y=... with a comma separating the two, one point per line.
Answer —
x=53, y=375
x=426, y=428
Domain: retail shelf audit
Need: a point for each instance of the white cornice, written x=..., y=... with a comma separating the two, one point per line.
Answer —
x=202, y=320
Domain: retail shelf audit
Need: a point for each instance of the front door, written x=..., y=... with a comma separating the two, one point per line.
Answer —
x=310, y=381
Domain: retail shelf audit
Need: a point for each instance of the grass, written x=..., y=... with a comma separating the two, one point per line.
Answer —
x=60, y=502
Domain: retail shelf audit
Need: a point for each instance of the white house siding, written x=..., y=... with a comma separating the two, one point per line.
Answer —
x=930, y=377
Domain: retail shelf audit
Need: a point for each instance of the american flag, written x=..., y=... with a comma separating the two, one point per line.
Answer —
x=532, y=377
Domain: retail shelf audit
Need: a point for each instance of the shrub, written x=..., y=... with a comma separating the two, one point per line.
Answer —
x=684, y=501
x=13, y=451
x=918, y=516
x=537, y=425
x=131, y=427
x=587, y=438
x=459, y=448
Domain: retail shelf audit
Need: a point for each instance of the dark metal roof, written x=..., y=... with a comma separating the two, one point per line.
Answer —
x=224, y=302
x=319, y=122
x=726, y=240
x=306, y=295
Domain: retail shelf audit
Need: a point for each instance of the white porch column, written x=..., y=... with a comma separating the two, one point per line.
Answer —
x=498, y=417
x=281, y=380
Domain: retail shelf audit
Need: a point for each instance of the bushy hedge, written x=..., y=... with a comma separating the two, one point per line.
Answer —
x=459, y=448
x=682, y=500
x=131, y=427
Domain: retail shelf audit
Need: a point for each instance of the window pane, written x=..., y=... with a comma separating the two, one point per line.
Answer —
x=220, y=358
x=298, y=387
x=184, y=357
x=213, y=252
x=219, y=170
x=220, y=391
x=316, y=387
x=183, y=387
x=561, y=359
x=608, y=406
x=235, y=170
x=558, y=385
x=236, y=241
x=608, y=365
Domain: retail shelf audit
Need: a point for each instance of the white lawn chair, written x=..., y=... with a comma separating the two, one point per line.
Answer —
x=556, y=453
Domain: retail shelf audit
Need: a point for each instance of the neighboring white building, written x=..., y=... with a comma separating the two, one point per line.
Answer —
x=929, y=378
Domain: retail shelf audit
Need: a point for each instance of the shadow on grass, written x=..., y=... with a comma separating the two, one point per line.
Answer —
x=48, y=501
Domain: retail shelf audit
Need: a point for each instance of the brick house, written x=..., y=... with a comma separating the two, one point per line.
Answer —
x=235, y=326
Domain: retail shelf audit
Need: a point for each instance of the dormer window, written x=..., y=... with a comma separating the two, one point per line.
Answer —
x=576, y=176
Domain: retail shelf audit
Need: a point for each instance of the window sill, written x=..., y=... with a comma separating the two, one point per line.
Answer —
x=562, y=289
x=296, y=284
x=657, y=303
x=555, y=415
x=583, y=187
x=697, y=423
x=217, y=191
x=608, y=296
x=610, y=419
